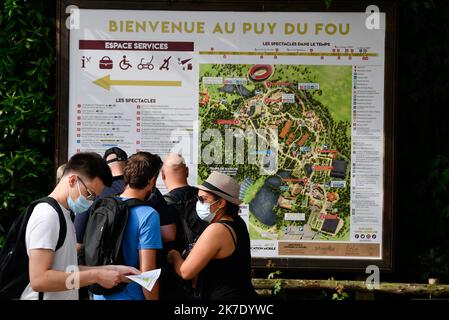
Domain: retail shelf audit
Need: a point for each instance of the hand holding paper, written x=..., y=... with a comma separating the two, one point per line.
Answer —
x=146, y=279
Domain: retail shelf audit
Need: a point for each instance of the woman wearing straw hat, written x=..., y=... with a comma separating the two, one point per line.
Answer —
x=222, y=252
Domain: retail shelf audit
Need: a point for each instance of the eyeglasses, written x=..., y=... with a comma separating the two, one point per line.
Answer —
x=90, y=194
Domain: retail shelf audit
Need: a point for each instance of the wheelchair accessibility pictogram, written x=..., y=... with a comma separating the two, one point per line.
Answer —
x=124, y=64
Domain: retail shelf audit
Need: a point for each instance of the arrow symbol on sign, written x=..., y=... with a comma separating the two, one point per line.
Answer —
x=106, y=83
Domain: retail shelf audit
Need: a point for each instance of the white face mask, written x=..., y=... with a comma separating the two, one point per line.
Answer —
x=81, y=204
x=203, y=211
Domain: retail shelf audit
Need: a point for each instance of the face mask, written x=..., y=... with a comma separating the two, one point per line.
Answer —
x=203, y=211
x=81, y=204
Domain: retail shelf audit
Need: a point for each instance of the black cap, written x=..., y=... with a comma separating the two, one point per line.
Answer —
x=121, y=155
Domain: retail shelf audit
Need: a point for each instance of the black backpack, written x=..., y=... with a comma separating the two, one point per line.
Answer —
x=102, y=243
x=14, y=262
x=189, y=225
x=188, y=229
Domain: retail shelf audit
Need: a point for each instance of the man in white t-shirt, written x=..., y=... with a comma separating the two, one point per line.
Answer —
x=56, y=274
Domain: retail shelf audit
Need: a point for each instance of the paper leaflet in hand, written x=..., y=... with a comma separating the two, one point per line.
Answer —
x=146, y=279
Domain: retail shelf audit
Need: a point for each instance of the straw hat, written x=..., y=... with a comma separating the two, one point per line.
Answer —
x=223, y=186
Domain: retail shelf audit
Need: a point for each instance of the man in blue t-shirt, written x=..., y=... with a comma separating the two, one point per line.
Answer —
x=142, y=238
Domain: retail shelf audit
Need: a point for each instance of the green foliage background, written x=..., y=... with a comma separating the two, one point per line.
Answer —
x=27, y=103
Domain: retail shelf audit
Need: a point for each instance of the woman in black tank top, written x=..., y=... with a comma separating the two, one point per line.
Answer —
x=220, y=261
x=230, y=277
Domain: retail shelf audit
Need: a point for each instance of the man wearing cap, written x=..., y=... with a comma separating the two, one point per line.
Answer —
x=222, y=252
x=115, y=158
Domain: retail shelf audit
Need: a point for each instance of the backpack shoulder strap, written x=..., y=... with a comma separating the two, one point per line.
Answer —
x=170, y=199
x=188, y=196
x=132, y=202
x=62, y=222
x=99, y=202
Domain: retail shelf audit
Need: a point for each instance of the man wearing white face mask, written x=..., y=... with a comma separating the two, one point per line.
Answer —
x=222, y=252
x=54, y=273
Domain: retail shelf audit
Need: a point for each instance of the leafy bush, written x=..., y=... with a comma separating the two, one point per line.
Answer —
x=27, y=103
x=435, y=223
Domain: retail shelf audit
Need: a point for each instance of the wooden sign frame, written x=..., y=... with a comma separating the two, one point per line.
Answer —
x=390, y=79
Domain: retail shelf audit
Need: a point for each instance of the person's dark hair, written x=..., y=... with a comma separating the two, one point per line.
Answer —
x=232, y=209
x=140, y=168
x=89, y=165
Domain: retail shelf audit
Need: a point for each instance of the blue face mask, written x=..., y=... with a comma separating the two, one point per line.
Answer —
x=81, y=204
x=203, y=211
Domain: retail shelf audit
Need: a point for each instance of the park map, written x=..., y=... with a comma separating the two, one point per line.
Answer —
x=307, y=196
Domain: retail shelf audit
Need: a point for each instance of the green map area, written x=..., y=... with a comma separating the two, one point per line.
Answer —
x=301, y=191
